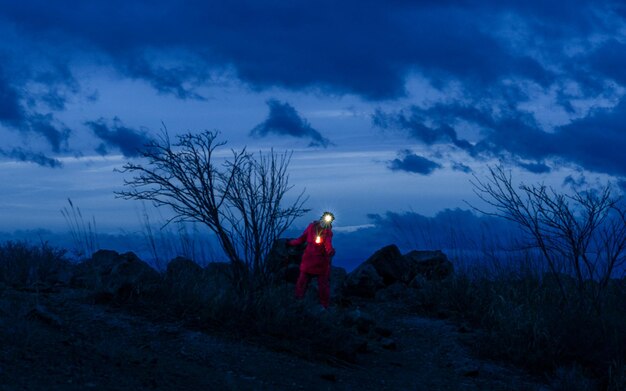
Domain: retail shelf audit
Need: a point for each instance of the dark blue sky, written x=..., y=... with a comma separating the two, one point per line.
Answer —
x=387, y=105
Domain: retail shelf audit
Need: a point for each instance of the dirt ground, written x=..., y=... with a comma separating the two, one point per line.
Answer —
x=59, y=341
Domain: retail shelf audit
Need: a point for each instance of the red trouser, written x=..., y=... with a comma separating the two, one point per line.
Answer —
x=323, y=284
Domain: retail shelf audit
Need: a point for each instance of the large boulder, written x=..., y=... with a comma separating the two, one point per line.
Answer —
x=364, y=281
x=394, y=292
x=432, y=265
x=116, y=275
x=182, y=269
x=391, y=265
x=337, y=278
x=283, y=261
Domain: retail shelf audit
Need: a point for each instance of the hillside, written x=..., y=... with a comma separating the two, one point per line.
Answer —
x=97, y=325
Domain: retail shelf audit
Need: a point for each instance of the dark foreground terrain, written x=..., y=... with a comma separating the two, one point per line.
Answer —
x=58, y=339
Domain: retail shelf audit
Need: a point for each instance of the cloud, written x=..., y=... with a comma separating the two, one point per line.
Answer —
x=415, y=125
x=576, y=183
x=284, y=120
x=14, y=115
x=457, y=166
x=536, y=168
x=410, y=162
x=296, y=45
x=178, y=80
x=128, y=141
x=594, y=142
x=39, y=158
x=10, y=110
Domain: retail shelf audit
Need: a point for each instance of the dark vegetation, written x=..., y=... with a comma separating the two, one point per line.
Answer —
x=523, y=319
x=565, y=321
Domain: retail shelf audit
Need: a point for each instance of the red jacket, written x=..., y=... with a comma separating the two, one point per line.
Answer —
x=317, y=254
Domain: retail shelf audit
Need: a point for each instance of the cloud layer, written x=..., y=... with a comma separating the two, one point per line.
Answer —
x=492, y=60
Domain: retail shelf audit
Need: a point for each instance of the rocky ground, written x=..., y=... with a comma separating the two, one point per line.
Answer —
x=58, y=339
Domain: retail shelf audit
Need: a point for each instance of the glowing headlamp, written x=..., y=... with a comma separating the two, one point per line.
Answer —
x=328, y=217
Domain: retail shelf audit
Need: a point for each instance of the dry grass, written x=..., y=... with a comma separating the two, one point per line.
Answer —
x=526, y=322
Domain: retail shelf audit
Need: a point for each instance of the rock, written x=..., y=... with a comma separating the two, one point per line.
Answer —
x=364, y=281
x=283, y=261
x=182, y=269
x=392, y=292
x=290, y=274
x=337, y=278
x=418, y=282
x=61, y=275
x=391, y=265
x=120, y=275
x=432, y=265
x=362, y=321
x=388, y=343
x=186, y=280
x=383, y=331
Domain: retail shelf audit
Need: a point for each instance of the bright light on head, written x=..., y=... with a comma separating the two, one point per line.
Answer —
x=328, y=217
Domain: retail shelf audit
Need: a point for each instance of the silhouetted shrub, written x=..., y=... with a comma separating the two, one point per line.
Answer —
x=25, y=264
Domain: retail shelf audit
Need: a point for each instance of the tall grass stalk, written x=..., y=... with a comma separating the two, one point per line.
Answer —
x=165, y=241
x=83, y=232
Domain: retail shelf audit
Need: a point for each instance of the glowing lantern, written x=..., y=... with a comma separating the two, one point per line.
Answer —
x=318, y=239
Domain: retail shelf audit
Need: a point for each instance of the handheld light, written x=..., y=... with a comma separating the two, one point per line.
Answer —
x=318, y=239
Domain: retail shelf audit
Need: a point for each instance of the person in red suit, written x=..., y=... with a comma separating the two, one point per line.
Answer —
x=316, y=258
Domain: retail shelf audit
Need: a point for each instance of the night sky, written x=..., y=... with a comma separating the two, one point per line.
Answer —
x=388, y=106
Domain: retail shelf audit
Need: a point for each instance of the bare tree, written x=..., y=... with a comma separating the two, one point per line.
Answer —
x=583, y=234
x=239, y=200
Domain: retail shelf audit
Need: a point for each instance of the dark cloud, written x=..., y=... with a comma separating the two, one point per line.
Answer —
x=56, y=135
x=576, y=182
x=128, y=141
x=414, y=124
x=39, y=158
x=10, y=110
x=410, y=162
x=596, y=142
x=536, y=168
x=179, y=80
x=14, y=115
x=457, y=166
x=284, y=120
x=366, y=48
